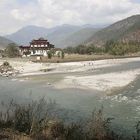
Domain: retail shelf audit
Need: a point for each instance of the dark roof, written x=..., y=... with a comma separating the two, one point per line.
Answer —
x=38, y=42
x=24, y=46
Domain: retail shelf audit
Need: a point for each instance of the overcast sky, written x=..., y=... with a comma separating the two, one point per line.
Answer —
x=15, y=14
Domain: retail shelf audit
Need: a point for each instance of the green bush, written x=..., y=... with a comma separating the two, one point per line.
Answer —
x=12, y=50
x=59, y=55
x=49, y=54
x=6, y=63
x=81, y=49
x=119, y=48
x=111, y=47
x=62, y=54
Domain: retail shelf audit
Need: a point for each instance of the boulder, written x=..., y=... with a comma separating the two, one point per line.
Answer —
x=7, y=70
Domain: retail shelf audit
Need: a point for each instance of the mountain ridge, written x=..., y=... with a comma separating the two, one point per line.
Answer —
x=72, y=35
x=117, y=31
x=55, y=35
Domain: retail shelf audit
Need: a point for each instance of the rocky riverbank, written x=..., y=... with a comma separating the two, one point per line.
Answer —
x=7, y=70
x=93, y=76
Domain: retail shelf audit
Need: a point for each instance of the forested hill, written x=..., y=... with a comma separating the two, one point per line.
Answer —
x=125, y=30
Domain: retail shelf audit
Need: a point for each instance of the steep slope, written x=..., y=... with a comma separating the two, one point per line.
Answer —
x=124, y=30
x=77, y=38
x=4, y=42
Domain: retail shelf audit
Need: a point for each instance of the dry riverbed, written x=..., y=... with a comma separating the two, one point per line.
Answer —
x=101, y=82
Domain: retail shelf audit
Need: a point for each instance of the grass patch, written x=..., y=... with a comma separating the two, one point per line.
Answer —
x=78, y=57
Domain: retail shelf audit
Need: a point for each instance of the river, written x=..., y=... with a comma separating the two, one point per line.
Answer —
x=123, y=105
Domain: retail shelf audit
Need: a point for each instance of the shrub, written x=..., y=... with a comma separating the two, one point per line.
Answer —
x=99, y=128
x=12, y=50
x=49, y=54
x=59, y=55
x=120, y=48
x=81, y=49
x=62, y=54
x=6, y=63
x=111, y=47
x=75, y=132
x=34, y=121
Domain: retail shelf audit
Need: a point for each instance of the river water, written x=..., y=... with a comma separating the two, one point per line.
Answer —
x=124, y=105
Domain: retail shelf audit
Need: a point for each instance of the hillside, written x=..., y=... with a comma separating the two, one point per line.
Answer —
x=4, y=42
x=124, y=30
x=70, y=35
x=77, y=38
x=61, y=33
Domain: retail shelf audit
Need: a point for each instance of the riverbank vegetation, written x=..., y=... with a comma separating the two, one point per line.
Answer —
x=111, y=47
x=81, y=57
x=110, y=50
x=11, y=51
x=44, y=120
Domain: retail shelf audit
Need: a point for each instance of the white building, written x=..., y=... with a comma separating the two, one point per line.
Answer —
x=38, y=47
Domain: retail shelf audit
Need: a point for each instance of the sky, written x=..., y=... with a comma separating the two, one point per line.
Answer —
x=15, y=14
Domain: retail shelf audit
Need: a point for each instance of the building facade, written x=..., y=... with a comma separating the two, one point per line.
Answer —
x=38, y=47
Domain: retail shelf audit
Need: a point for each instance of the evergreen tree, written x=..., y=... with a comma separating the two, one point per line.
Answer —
x=12, y=50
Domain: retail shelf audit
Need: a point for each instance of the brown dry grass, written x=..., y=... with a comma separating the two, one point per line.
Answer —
x=77, y=58
x=72, y=58
x=8, y=134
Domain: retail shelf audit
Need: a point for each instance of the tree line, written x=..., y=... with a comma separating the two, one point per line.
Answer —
x=12, y=51
x=110, y=47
